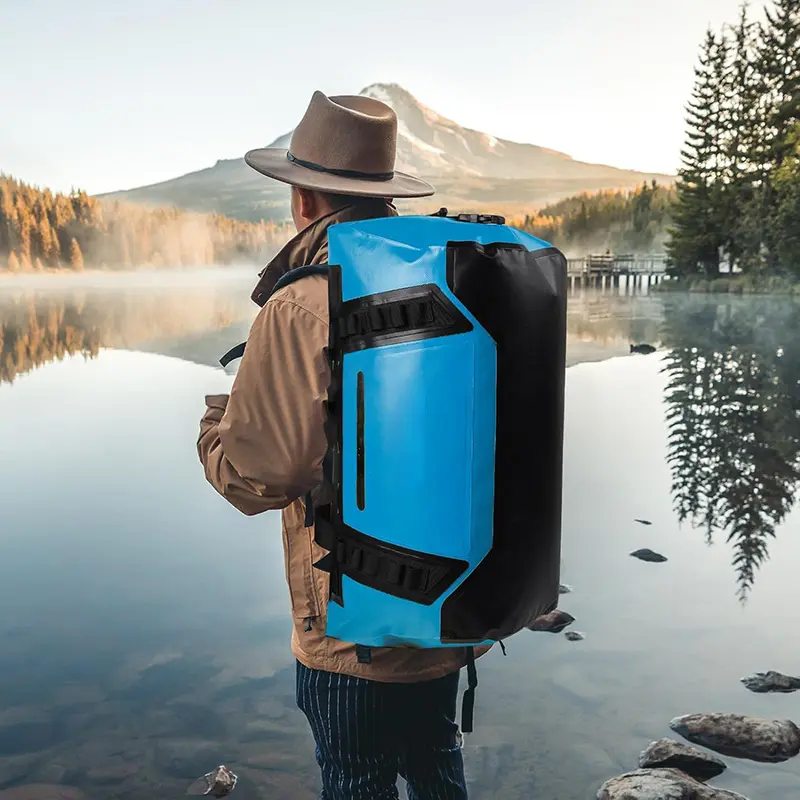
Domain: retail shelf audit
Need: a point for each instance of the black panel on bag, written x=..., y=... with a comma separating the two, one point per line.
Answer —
x=519, y=297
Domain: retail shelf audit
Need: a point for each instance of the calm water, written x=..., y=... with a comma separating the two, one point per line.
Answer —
x=144, y=623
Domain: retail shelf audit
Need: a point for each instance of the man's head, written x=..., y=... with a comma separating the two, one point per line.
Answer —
x=309, y=205
x=341, y=152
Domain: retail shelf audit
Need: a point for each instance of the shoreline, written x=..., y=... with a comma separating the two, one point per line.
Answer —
x=739, y=285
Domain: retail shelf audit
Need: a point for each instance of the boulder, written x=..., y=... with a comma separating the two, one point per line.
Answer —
x=771, y=681
x=696, y=763
x=740, y=736
x=661, y=784
x=554, y=622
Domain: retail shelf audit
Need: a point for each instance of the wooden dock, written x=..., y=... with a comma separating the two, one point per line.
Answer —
x=613, y=271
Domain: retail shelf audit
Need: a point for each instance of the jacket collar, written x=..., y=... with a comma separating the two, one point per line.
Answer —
x=310, y=246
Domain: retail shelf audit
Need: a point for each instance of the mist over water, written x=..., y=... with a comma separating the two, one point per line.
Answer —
x=126, y=280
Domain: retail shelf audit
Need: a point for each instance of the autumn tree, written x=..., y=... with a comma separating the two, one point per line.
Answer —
x=75, y=255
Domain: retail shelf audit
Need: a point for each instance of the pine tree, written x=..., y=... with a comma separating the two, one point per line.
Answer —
x=781, y=66
x=44, y=243
x=780, y=63
x=75, y=255
x=25, y=238
x=55, y=251
x=6, y=214
x=697, y=234
x=743, y=174
x=784, y=223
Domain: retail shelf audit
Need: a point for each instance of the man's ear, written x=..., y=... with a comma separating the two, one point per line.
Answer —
x=309, y=204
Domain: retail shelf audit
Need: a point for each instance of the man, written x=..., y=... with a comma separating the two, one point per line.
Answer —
x=262, y=448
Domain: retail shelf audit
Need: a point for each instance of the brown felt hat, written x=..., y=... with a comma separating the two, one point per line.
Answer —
x=343, y=145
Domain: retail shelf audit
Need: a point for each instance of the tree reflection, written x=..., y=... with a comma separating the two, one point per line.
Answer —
x=40, y=327
x=733, y=400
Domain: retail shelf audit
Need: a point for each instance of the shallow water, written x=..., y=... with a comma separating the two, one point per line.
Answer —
x=144, y=623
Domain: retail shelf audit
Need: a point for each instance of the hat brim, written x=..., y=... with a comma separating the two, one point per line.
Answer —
x=272, y=162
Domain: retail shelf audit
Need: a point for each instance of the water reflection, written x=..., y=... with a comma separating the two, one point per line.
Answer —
x=39, y=325
x=199, y=317
x=733, y=404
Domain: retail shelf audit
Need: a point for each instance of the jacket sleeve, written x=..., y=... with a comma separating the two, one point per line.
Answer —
x=263, y=446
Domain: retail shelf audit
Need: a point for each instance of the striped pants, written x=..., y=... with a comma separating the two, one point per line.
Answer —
x=367, y=733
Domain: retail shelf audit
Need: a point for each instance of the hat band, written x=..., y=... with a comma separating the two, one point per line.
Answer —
x=342, y=173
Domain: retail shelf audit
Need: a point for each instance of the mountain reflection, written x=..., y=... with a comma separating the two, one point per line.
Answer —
x=733, y=406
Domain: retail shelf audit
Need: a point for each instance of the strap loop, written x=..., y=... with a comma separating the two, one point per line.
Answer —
x=468, y=702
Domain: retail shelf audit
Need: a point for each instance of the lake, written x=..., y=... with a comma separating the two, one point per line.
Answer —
x=144, y=623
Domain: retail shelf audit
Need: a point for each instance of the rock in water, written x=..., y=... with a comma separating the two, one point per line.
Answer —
x=42, y=791
x=646, y=554
x=574, y=636
x=668, y=753
x=564, y=588
x=644, y=349
x=741, y=737
x=771, y=681
x=661, y=784
x=219, y=783
x=554, y=622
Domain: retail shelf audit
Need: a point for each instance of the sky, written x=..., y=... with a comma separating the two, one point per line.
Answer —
x=106, y=95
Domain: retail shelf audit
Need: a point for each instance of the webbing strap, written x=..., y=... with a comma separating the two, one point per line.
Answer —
x=233, y=354
x=388, y=317
x=289, y=277
x=468, y=702
x=408, y=574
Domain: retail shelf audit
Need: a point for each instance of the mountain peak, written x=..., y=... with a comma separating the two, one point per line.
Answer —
x=388, y=93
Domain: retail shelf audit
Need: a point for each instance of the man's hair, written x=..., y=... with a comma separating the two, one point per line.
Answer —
x=337, y=201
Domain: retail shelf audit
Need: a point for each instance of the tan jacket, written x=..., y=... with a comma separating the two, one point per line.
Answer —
x=262, y=448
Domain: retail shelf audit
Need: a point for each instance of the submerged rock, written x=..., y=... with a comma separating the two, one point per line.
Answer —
x=643, y=521
x=554, y=622
x=644, y=349
x=740, y=736
x=771, y=681
x=42, y=791
x=661, y=784
x=564, y=588
x=574, y=636
x=219, y=783
x=668, y=753
x=645, y=554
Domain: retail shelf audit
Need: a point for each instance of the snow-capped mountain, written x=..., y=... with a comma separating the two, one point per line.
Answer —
x=471, y=170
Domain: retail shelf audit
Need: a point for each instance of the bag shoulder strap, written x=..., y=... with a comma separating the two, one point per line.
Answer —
x=289, y=277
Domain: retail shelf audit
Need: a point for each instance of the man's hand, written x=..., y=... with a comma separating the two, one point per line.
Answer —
x=215, y=408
